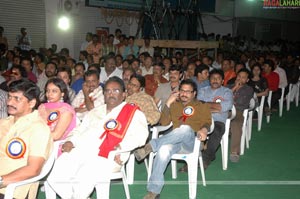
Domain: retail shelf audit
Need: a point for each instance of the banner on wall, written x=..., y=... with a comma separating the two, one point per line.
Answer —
x=102, y=32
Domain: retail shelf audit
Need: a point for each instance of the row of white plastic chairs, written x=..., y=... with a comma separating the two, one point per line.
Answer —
x=293, y=95
x=191, y=159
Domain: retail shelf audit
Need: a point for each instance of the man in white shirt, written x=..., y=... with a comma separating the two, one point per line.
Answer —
x=84, y=162
x=110, y=69
x=281, y=72
x=146, y=47
x=90, y=96
x=88, y=39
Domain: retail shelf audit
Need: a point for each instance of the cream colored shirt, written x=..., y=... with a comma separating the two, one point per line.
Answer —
x=36, y=135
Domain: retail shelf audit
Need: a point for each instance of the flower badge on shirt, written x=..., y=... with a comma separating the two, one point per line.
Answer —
x=15, y=148
x=218, y=99
x=111, y=125
x=52, y=118
x=187, y=112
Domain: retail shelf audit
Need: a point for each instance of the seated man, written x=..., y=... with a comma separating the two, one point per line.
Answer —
x=25, y=140
x=220, y=100
x=153, y=81
x=165, y=90
x=90, y=96
x=242, y=94
x=137, y=96
x=84, y=162
x=190, y=117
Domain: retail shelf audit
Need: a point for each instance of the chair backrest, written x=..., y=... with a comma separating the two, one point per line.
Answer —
x=233, y=113
x=159, y=105
x=45, y=170
x=212, y=126
x=270, y=98
x=282, y=93
x=252, y=104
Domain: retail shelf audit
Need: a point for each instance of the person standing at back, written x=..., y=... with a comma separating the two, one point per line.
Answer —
x=24, y=40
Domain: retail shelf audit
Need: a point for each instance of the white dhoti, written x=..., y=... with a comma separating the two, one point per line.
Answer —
x=78, y=179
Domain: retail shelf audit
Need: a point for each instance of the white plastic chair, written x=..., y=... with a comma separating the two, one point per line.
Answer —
x=269, y=104
x=281, y=102
x=247, y=126
x=244, y=137
x=117, y=175
x=192, y=162
x=225, y=138
x=260, y=112
x=50, y=193
x=297, y=94
x=45, y=170
x=155, y=134
x=250, y=116
x=292, y=95
x=130, y=164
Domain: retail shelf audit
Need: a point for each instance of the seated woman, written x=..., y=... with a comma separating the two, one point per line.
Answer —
x=259, y=84
x=56, y=109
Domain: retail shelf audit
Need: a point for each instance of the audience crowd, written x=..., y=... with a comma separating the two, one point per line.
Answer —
x=179, y=88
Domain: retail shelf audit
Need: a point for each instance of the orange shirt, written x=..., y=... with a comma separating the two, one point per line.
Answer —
x=228, y=75
x=152, y=85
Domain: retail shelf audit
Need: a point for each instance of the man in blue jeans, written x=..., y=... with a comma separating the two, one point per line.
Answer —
x=190, y=118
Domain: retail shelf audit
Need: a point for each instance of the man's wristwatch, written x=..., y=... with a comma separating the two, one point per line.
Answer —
x=1, y=181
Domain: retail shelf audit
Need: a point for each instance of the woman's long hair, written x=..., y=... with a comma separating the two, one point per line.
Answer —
x=62, y=87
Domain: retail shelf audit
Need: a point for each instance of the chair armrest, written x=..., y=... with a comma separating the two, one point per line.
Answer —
x=157, y=129
x=113, y=153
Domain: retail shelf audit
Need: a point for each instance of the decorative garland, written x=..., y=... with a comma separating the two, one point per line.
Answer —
x=119, y=16
x=130, y=20
x=110, y=14
x=107, y=15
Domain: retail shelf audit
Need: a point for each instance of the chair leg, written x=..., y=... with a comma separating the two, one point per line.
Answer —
x=243, y=138
x=224, y=150
x=297, y=95
x=250, y=116
x=280, y=107
x=259, y=117
x=201, y=169
x=146, y=164
x=125, y=184
x=49, y=192
x=150, y=165
x=130, y=169
x=192, y=174
x=174, y=169
x=288, y=101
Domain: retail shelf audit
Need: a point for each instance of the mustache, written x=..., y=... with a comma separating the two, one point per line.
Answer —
x=113, y=98
x=8, y=106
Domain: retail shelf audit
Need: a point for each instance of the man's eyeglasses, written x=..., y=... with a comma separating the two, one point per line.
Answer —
x=112, y=91
x=15, y=73
x=184, y=91
x=133, y=85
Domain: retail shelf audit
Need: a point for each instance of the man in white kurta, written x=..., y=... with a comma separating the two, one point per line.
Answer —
x=90, y=96
x=76, y=173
